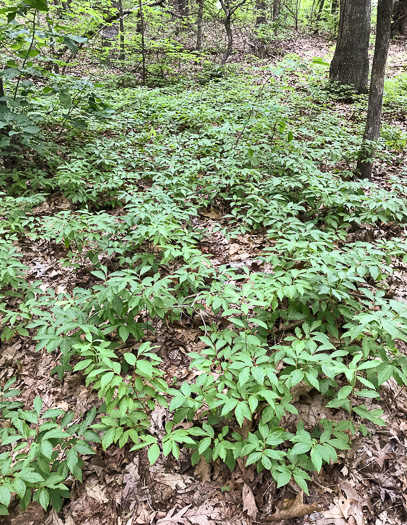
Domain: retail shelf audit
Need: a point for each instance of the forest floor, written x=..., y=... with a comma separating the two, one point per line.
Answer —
x=367, y=485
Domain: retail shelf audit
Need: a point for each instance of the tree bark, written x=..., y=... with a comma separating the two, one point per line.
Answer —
x=276, y=9
x=228, y=28
x=183, y=8
x=143, y=46
x=227, y=22
x=374, y=111
x=199, y=25
x=260, y=12
x=121, y=27
x=399, y=24
x=350, y=64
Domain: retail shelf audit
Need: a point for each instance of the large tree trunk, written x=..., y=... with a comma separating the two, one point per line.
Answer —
x=199, y=25
x=374, y=111
x=350, y=64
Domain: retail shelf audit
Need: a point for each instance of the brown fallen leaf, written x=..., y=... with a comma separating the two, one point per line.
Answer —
x=249, y=503
x=211, y=214
x=203, y=470
x=97, y=492
x=174, y=480
x=174, y=519
x=294, y=508
x=202, y=515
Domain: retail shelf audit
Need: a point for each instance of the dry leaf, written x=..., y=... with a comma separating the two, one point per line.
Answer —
x=294, y=508
x=97, y=493
x=200, y=515
x=173, y=480
x=203, y=470
x=249, y=503
x=339, y=510
x=212, y=214
x=174, y=519
x=53, y=519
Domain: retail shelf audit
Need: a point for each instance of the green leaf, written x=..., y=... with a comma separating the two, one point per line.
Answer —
x=30, y=477
x=40, y=5
x=65, y=99
x=38, y=405
x=300, y=476
x=5, y=495
x=145, y=368
x=316, y=458
x=242, y=411
x=258, y=374
x=229, y=406
x=283, y=478
x=55, y=433
x=345, y=391
x=43, y=498
x=204, y=444
x=72, y=459
x=130, y=358
x=108, y=438
x=19, y=487
x=82, y=365
x=368, y=393
x=153, y=453
x=106, y=379
x=301, y=448
x=123, y=333
x=46, y=449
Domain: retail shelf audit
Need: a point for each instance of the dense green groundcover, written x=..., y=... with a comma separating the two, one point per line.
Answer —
x=312, y=308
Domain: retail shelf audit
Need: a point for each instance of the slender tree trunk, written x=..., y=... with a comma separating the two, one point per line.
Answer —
x=199, y=25
x=334, y=6
x=276, y=9
x=297, y=12
x=143, y=48
x=261, y=12
x=350, y=64
x=228, y=28
x=320, y=9
x=374, y=111
x=319, y=15
x=121, y=28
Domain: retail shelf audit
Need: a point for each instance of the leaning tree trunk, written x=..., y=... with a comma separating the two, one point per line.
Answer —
x=199, y=25
x=350, y=64
x=374, y=111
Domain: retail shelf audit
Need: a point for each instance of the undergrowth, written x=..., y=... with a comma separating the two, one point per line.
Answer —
x=310, y=312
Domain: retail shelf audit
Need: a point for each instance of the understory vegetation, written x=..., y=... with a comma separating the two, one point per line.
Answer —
x=157, y=184
x=311, y=310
